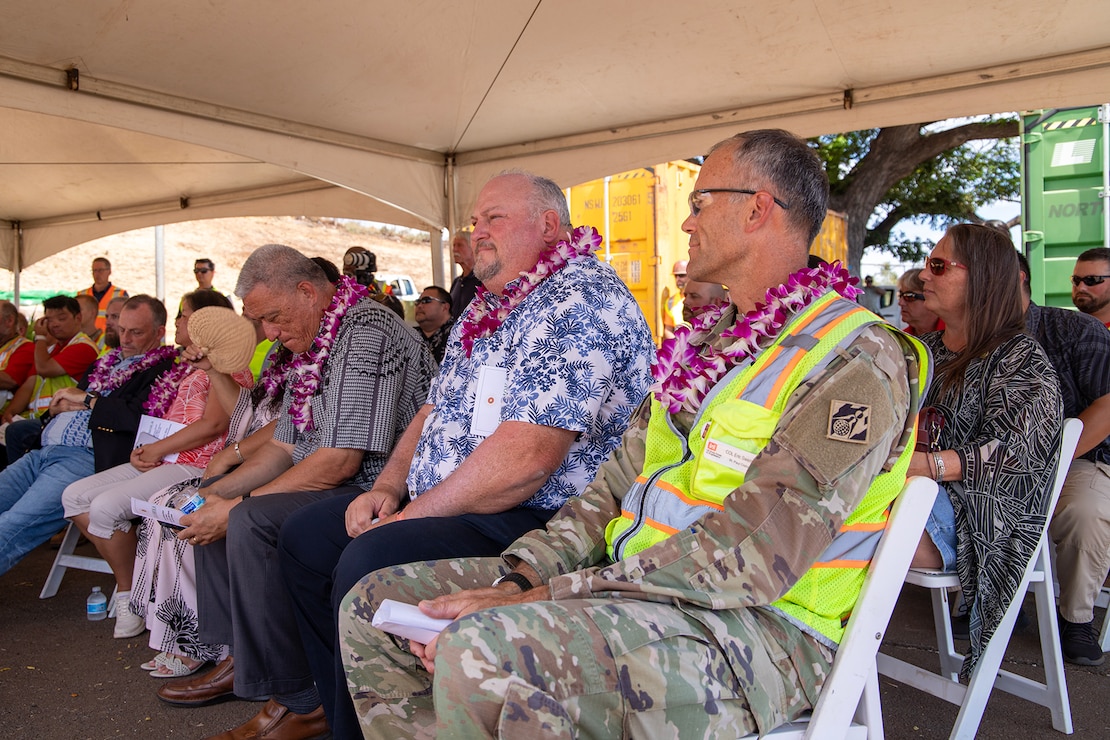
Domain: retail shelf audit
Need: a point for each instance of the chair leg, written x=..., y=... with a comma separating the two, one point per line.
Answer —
x=66, y=559
x=869, y=712
x=1056, y=687
x=982, y=679
x=58, y=570
x=950, y=660
x=1104, y=602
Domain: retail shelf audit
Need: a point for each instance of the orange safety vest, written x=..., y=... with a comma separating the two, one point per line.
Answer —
x=102, y=308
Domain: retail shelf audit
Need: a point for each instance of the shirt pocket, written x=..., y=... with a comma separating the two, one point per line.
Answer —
x=737, y=431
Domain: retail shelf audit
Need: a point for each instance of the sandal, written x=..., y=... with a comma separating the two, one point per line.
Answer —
x=155, y=662
x=173, y=667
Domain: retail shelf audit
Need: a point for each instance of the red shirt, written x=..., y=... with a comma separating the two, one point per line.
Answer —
x=21, y=363
x=74, y=357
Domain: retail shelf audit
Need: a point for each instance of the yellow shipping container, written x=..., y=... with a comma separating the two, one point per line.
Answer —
x=831, y=243
x=639, y=215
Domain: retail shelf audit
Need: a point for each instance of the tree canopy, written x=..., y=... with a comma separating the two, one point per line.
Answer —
x=932, y=173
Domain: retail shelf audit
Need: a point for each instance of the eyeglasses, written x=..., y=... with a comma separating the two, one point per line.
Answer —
x=937, y=266
x=425, y=300
x=910, y=297
x=201, y=271
x=1089, y=280
x=699, y=201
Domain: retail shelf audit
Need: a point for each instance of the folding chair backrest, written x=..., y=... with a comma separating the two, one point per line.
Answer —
x=972, y=698
x=854, y=665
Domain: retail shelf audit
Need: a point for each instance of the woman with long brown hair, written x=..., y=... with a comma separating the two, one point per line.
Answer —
x=992, y=422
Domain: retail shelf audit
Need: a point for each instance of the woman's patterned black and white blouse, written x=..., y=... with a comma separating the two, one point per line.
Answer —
x=1005, y=424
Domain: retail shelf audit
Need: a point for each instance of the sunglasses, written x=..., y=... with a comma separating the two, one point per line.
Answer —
x=910, y=297
x=425, y=300
x=1089, y=280
x=937, y=266
x=201, y=271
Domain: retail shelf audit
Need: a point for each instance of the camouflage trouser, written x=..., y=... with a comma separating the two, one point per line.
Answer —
x=589, y=668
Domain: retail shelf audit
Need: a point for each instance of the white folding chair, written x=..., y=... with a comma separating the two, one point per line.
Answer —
x=972, y=698
x=66, y=559
x=849, y=703
x=1103, y=602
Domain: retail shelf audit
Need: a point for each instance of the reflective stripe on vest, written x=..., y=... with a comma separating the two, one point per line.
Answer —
x=45, y=388
x=688, y=477
x=102, y=306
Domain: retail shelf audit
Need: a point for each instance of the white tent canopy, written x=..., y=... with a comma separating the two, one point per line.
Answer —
x=120, y=115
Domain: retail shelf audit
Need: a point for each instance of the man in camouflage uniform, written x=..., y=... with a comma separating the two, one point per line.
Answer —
x=687, y=634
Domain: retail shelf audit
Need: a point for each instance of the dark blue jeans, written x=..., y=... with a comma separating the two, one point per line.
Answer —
x=21, y=437
x=320, y=564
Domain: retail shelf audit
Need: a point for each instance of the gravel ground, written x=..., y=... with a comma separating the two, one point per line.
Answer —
x=64, y=677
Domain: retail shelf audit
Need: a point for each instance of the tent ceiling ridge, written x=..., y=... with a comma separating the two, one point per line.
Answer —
x=1002, y=73
x=833, y=100
x=172, y=206
x=88, y=85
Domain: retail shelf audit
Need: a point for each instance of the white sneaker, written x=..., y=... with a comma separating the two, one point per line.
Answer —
x=128, y=624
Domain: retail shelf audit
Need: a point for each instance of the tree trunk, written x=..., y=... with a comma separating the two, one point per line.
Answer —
x=894, y=154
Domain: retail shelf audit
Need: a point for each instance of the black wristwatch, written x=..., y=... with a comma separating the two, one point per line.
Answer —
x=522, y=583
x=89, y=396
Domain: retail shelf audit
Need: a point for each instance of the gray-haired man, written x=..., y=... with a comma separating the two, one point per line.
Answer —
x=359, y=377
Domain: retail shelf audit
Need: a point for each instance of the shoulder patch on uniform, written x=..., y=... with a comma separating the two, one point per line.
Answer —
x=849, y=422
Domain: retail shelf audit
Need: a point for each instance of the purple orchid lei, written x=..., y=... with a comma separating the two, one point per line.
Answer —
x=303, y=372
x=103, y=380
x=485, y=315
x=687, y=367
x=273, y=377
x=164, y=389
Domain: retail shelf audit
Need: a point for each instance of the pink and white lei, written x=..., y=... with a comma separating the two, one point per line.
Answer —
x=164, y=390
x=688, y=366
x=304, y=370
x=103, y=380
x=487, y=312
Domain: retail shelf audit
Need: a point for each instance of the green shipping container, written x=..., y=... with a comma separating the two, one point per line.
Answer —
x=1064, y=192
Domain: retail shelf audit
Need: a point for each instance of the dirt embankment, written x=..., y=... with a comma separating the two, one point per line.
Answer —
x=227, y=242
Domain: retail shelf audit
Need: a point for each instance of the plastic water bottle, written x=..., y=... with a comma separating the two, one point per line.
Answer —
x=96, y=607
x=187, y=501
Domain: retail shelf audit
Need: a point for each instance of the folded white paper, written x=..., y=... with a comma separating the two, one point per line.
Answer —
x=406, y=620
x=165, y=514
x=152, y=429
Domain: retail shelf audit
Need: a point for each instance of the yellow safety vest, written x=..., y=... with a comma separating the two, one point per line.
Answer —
x=45, y=388
x=687, y=477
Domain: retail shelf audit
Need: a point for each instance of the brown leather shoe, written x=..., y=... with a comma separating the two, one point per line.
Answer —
x=275, y=722
x=214, y=686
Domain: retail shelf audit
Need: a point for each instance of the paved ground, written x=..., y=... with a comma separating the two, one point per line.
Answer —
x=64, y=678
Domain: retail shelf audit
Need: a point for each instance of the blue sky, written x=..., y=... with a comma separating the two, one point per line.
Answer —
x=873, y=259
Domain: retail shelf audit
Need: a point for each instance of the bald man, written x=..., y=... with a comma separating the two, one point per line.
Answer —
x=698, y=296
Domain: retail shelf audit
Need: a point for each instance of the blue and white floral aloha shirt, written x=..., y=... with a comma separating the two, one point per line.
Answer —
x=576, y=355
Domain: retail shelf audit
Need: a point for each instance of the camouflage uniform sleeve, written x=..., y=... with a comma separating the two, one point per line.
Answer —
x=796, y=494
x=575, y=537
